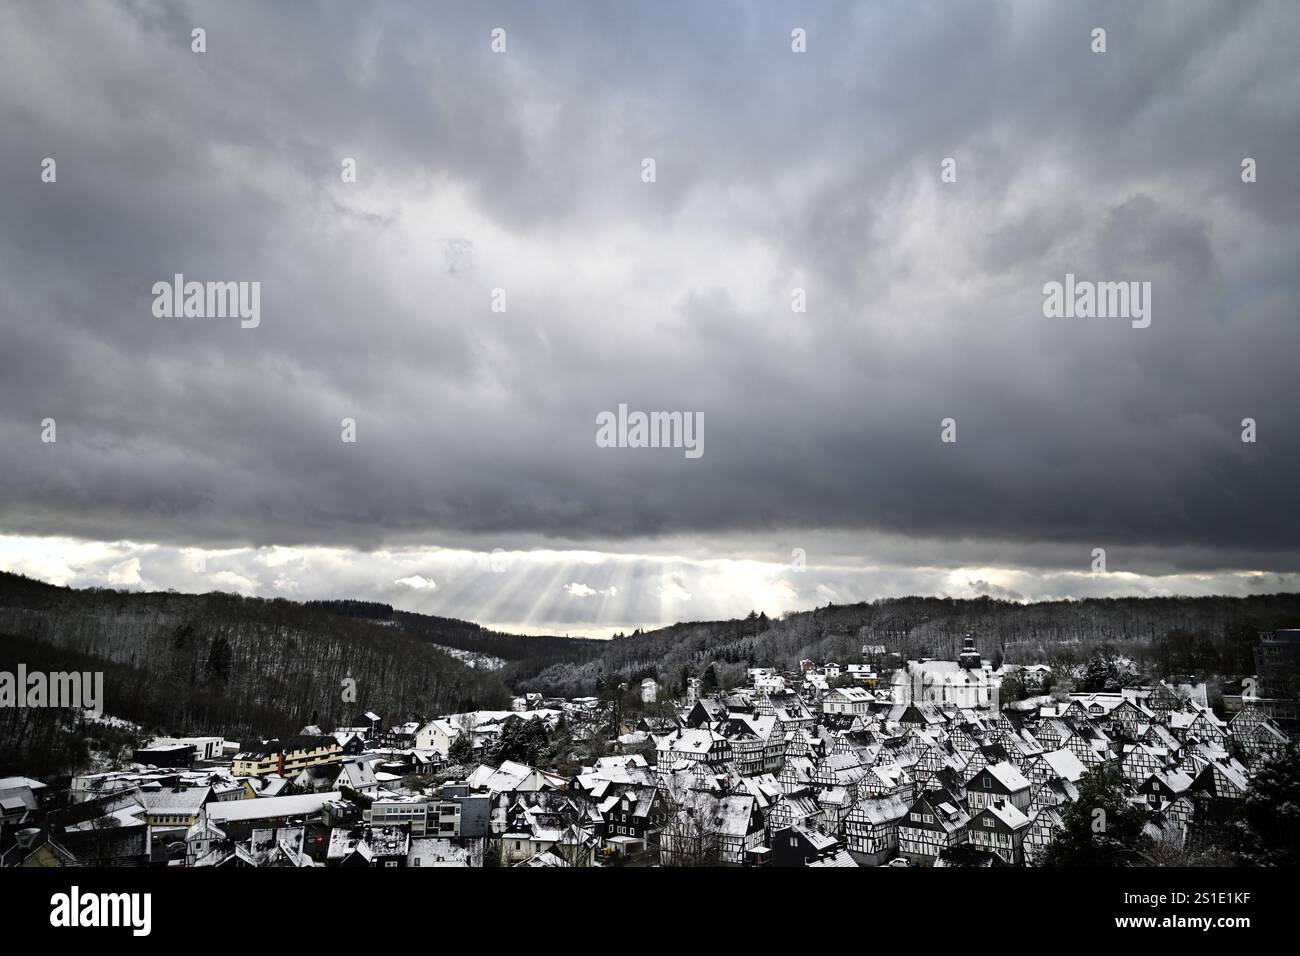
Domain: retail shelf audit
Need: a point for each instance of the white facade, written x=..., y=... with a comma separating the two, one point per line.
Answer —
x=770, y=684
x=945, y=682
x=692, y=689
x=205, y=748
x=436, y=735
x=847, y=700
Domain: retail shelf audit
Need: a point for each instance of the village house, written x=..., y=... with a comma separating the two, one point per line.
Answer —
x=707, y=712
x=847, y=700
x=1043, y=828
x=177, y=807
x=1165, y=786
x=407, y=811
x=1141, y=761
x=1201, y=725
x=791, y=714
x=632, y=820
x=693, y=746
x=999, y=827
x=795, y=807
x=1222, y=779
x=434, y=852
x=513, y=777
x=437, y=735
x=933, y=822
x=534, y=834
x=204, y=748
x=718, y=828
x=886, y=780
x=286, y=757
x=998, y=783
x=240, y=818
x=801, y=846
x=871, y=829
x=863, y=674
x=357, y=775
x=368, y=847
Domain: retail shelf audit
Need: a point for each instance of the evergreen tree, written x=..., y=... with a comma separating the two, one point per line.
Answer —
x=709, y=682
x=461, y=751
x=524, y=741
x=1272, y=816
x=1101, y=828
x=1013, y=688
x=1097, y=675
x=220, y=658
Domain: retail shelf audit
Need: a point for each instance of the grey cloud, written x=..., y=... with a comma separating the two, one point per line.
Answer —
x=775, y=170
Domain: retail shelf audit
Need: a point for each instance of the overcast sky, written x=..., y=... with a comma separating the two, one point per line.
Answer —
x=196, y=454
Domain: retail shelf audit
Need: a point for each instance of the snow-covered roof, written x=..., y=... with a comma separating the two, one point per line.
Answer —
x=878, y=810
x=1009, y=814
x=1176, y=780
x=1007, y=774
x=297, y=805
x=187, y=800
x=357, y=774
x=840, y=858
x=697, y=740
x=1065, y=764
x=853, y=694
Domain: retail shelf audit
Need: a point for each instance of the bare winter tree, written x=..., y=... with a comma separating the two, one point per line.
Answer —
x=102, y=845
x=690, y=833
x=575, y=847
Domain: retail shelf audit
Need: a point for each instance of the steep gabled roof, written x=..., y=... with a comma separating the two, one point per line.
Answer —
x=1009, y=814
x=1008, y=775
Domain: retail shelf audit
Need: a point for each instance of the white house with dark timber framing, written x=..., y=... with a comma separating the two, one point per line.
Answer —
x=999, y=782
x=932, y=824
x=999, y=828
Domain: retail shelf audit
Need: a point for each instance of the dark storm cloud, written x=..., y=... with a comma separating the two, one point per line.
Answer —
x=775, y=170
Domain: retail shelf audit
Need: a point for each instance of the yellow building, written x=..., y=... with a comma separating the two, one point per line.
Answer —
x=287, y=757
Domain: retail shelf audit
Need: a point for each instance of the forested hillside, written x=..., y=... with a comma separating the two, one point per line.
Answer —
x=465, y=635
x=511, y=647
x=1170, y=634
x=237, y=666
